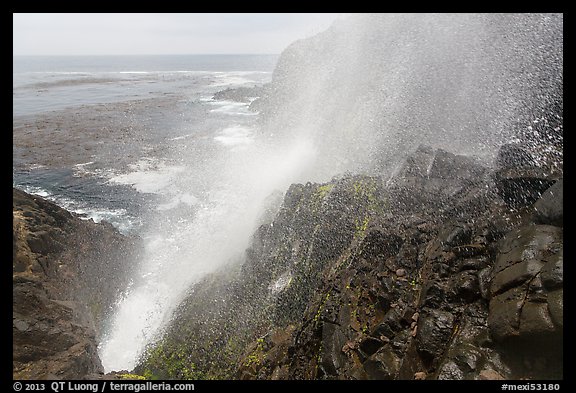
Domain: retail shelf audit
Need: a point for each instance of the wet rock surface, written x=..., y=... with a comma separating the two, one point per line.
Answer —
x=65, y=277
x=345, y=282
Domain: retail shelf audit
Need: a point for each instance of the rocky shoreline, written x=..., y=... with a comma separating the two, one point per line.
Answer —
x=66, y=273
x=446, y=270
x=449, y=267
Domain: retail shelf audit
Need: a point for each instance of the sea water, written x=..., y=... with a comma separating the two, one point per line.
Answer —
x=102, y=187
x=140, y=142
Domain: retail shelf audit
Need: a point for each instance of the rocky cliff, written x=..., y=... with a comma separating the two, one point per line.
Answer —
x=459, y=285
x=66, y=273
x=446, y=270
x=415, y=262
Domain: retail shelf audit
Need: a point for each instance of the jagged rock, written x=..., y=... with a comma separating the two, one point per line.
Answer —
x=512, y=155
x=556, y=307
x=454, y=234
x=465, y=286
x=552, y=273
x=370, y=345
x=549, y=209
x=435, y=294
x=390, y=324
x=531, y=242
x=447, y=165
x=467, y=357
x=467, y=277
x=450, y=371
x=473, y=264
x=535, y=321
x=520, y=180
x=433, y=178
x=515, y=275
x=434, y=331
x=384, y=364
x=520, y=187
x=55, y=294
x=418, y=163
x=529, y=262
x=332, y=357
x=504, y=314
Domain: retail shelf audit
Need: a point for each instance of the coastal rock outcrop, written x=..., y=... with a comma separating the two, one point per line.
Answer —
x=448, y=294
x=66, y=274
x=429, y=274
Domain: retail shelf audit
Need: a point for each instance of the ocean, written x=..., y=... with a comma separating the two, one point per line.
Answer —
x=141, y=142
x=105, y=136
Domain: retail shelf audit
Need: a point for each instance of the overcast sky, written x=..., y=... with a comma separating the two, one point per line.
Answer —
x=113, y=34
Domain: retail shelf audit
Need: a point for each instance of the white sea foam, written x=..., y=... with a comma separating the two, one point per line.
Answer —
x=81, y=170
x=231, y=79
x=117, y=217
x=36, y=166
x=149, y=176
x=232, y=108
x=235, y=135
x=186, y=199
x=34, y=190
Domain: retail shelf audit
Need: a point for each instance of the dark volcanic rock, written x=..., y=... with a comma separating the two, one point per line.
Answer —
x=521, y=180
x=504, y=317
x=434, y=331
x=513, y=155
x=384, y=364
x=436, y=179
x=526, y=244
x=451, y=293
x=525, y=311
x=64, y=279
x=239, y=94
x=368, y=286
x=333, y=339
x=447, y=165
x=521, y=187
x=418, y=163
x=549, y=209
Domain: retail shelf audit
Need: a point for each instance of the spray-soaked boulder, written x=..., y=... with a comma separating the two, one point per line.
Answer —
x=549, y=209
x=528, y=266
x=520, y=187
x=434, y=331
x=436, y=179
x=514, y=155
x=520, y=177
